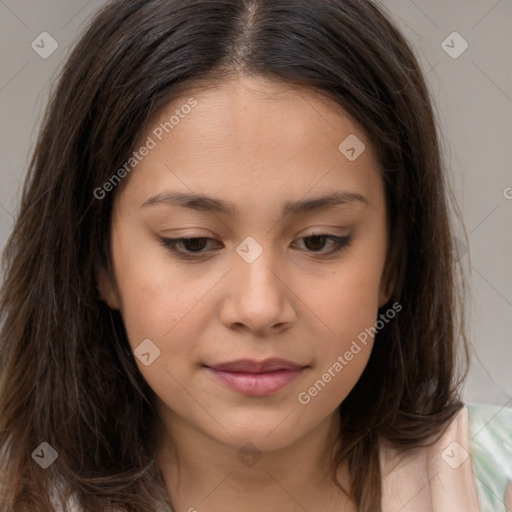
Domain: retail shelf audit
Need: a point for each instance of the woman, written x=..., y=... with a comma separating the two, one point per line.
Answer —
x=257, y=371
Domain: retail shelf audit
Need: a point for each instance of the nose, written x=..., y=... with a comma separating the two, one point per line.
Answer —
x=260, y=298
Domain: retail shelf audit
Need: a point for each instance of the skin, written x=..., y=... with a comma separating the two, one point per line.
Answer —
x=255, y=143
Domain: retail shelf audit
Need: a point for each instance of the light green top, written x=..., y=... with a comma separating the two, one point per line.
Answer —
x=490, y=432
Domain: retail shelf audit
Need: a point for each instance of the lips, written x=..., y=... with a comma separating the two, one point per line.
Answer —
x=256, y=378
x=250, y=366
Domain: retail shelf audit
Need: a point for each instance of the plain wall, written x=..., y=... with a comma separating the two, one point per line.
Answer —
x=473, y=100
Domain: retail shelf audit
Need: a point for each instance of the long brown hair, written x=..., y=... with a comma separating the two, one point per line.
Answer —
x=68, y=376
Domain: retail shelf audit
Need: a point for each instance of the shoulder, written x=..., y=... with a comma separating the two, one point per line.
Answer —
x=490, y=433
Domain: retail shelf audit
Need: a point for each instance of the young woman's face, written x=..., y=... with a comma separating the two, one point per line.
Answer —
x=262, y=278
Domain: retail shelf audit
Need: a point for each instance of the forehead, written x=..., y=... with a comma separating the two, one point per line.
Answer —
x=251, y=137
x=250, y=111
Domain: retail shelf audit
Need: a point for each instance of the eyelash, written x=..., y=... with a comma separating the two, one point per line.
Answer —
x=170, y=243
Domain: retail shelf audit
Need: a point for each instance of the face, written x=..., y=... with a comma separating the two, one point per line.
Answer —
x=261, y=277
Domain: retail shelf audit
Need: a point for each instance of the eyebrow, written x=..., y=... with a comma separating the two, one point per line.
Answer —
x=205, y=203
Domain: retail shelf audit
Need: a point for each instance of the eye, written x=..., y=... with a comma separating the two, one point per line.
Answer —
x=318, y=242
x=193, y=246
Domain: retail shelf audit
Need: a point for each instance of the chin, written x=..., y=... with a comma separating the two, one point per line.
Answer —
x=266, y=436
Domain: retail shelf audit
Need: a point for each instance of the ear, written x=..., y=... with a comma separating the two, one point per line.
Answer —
x=106, y=289
x=388, y=281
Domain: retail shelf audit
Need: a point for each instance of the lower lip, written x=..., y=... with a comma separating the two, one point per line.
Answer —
x=256, y=384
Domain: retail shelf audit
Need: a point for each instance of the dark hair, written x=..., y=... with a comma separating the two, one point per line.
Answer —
x=68, y=375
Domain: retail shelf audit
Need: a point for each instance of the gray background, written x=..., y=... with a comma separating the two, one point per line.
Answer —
x=473, y=100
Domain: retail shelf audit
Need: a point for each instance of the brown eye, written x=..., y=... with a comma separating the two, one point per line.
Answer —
x=194, y=244
x=191, y=245
x=318, y=242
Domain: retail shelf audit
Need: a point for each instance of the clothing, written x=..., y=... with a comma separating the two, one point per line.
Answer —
x=491, y=447
x=469, y=469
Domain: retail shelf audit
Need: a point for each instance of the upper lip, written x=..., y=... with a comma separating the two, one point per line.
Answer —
x=251, y=366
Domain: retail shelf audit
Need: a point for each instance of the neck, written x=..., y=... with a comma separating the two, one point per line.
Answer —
x=204, y=475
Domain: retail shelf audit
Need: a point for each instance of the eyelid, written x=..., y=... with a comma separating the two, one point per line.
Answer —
x=340, y=242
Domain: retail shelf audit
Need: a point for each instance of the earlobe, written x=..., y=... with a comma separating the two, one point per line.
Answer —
x=388, y=283
x=106, y=290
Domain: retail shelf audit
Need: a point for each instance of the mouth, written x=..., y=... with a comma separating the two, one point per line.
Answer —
x=253, y=378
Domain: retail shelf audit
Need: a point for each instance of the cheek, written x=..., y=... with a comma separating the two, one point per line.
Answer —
x=161, y=311
x=347, y=309
x=347, y=301
x=156, y=302
x=344, y=340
